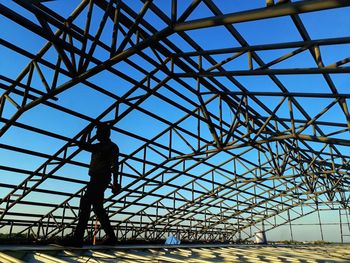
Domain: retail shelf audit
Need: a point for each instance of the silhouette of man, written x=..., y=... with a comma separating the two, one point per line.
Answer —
x=104, y=163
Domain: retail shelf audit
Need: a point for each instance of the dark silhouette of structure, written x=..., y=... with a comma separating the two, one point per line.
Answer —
x=104, y=163
x=235, y=116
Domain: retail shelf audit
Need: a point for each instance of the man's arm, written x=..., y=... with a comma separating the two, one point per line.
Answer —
x=116, y=187
x=83, y=142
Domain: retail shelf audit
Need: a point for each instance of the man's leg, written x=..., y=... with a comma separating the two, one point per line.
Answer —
x=84, y=214
x=102, y=215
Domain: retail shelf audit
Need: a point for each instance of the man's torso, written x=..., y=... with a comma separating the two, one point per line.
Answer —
x=104, y=154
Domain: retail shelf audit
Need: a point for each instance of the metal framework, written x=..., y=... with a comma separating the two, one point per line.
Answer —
x=207, y=153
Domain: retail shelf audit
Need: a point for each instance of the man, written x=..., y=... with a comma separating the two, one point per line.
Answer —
x=104, y=163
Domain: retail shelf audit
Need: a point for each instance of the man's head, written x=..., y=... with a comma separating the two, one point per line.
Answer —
x=103, y=132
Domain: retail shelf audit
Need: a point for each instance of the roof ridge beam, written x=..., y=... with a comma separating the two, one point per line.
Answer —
x=262, y=13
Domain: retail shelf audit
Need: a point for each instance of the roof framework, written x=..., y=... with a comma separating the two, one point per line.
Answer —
x=206, y=153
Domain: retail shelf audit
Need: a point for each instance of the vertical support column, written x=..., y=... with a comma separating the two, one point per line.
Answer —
x=290, y=227
x=290, y=105
x=144, y=162
x=115, y=29
x=212, y=182
x=345, y=108
x=173, y=11
x=220, y=118
x=199, y=96
x=198, y=131
x=170, y=142
x=320, y=223
x=11, y=229
x=116, y=113
x=250, y=60
x=341, y=227
x=29, y=81
x=47, y=226
x=247, y=117
x=63, y=216
x=317, y=53
x=38, y=230
x=2, y=105
x=126, y=230
x=347, y=219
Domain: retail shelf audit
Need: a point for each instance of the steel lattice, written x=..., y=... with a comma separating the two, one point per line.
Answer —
x=206, y=154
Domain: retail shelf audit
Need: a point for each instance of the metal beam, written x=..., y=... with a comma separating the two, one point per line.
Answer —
x=259, y=72
x=276, y=46
x=262, y=13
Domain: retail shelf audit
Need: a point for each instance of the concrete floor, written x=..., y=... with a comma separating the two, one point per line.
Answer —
x=180, y=254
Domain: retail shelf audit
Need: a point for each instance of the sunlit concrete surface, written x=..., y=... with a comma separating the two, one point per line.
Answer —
x=183, y=253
